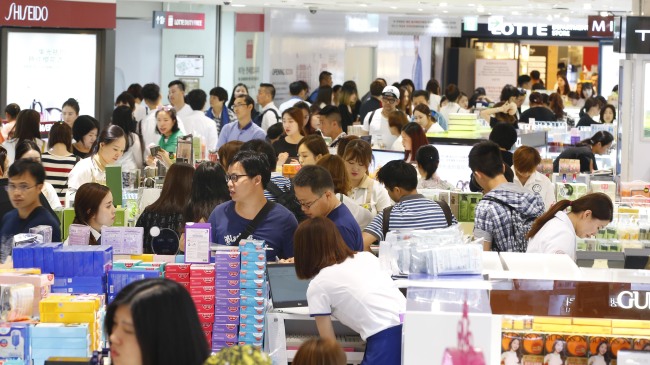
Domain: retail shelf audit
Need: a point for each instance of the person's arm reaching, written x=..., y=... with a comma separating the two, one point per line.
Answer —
x=325, y=327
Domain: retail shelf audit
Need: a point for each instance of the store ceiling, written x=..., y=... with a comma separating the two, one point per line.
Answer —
x=561, y=10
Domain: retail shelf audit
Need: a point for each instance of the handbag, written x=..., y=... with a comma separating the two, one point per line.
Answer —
x=465, y=353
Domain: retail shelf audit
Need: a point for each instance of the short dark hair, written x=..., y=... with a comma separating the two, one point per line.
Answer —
x=535, y=74
x=24, y=146
x=29, y=166
x=315, y=144
x=179, y=339
x=270, y=87
x=485, y=157
x=220, y=93
x=318, y=244
x=323, y=75
x=398, y=173
x=332, y=113
x=126, y=98
x=135, y=90
x=179, y=83
x=274, y=131
x=12, y=109
x=539, y=86
x=261, y=146
x=87, y=201
x=295, y=87
x=60, y=133
x=247, y=99
x=73, y=103
x=376, y=88
x=83, y=125
x=254, y=163
x=150, y=92
x=304, y=84
x=433, y=86
x=452, y=93
x=503, y=134
x=123, y=118
x=196, y=99
x=523, y=79
x=317, y=178
x=424, y=93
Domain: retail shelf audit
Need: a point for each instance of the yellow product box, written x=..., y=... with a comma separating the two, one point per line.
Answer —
x=631, y=331
x=69, y=318
x=543, y=327
x=35, y=271
x=592, y=330
x=552, y=320
x=144, y=257
x=627, y=323
x=507, y=323
x=592, y=322
x=58, y=303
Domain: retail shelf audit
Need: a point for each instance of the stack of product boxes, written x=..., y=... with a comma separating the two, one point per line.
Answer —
x=226, y=313
x=179, y=273
x=75, y=309
x=253, y=293
x=125, y=272
x=202, y=289
x=15, y=343
x=58, y=339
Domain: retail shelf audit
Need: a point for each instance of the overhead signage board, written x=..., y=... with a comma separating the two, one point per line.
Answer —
x=436, y=27
x=600, y=26
x=178, y=20
x=57, y=14
x=537, y=31
x=633, y=35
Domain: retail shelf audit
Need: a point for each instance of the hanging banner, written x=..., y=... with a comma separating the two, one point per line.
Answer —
x=435, y=27
x=57, y=14
x=177, y=20
x=249, y=33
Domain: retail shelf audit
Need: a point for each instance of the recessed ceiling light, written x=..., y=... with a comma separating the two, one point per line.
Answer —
x=515, y=12
x=471, y=5
x=604, y=13
x=443, y=4
x=238, y=5
x=420, y=9
x=363, y=5
x=393, y=7
x=445, y=11
x=586, y=6
x=480, y=8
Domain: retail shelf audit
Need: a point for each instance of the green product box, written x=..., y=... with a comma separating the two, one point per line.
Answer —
x=114, y=182
x=120, y=217
x=68, y=217
x=463, y=205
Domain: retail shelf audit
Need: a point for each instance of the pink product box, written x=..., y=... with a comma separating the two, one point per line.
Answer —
x=203, y=299
x=227, y=266
x=252, y=301
x=227, y=293
x=227, y=284
x=249, y=337
x=247, y=327
x=225, y=328
x=202, y=271
x=251, y=318
x=252, y=292
x=177, y=268
x=226, y=256
x=253, y=265
x=205, y=308
x=201, y=281
x=224, y=337
x=206, y=317
x=251, y=310
x=227, y=302
x=253, y=256
x=178, y=276
x=226, y=319
x=228, y=275
x=252, y=284
x=201, y=290
x=252, y=274
x=226, y=309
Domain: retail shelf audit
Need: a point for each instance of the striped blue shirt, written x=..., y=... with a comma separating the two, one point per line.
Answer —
x=282, y=182
x=412, y=212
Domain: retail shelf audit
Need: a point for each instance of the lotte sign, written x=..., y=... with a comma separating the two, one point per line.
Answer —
x=57, y=14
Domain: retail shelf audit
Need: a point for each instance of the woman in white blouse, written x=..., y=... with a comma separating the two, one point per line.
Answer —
x=422, y=116
x=556, y=230
x=107, y=150
x=367, y=192
x=132, y=158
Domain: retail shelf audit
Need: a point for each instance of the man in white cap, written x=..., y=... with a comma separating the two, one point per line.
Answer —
x=376, y=122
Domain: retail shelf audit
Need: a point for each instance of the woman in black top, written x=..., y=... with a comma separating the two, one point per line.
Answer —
x=585, y=152
x=287, y=146
x=537, y=110
x=167, y=211
x=84, y=132
x=592, y=108
x=347, y=103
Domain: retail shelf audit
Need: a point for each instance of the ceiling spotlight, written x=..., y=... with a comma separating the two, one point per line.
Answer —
x=604, y=13
x=442, y=5
x=586, y=6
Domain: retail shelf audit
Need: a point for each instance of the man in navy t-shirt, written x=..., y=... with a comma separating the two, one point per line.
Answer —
x=315, y=191
x=247, y=176
x=26, y=179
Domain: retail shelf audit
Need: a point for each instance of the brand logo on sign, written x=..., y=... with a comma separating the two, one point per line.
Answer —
x=643, y=32
x=30, y=13
x=633, y=299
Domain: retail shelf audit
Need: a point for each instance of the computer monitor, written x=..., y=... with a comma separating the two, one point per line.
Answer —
x=382, y=157
x=287, y=291
x=636, y=258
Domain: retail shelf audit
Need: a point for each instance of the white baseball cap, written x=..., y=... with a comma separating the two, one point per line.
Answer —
x=390, y=91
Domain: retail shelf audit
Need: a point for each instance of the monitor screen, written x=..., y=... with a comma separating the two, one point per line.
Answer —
x=381, y=157
x=286, y=289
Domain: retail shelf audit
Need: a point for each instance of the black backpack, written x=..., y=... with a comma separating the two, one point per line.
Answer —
x=259, y=118
x=287, y=199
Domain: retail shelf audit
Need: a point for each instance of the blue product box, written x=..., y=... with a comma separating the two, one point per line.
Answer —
x=253, y=255
x=79, y=289
x=252, y=275
x=60, y=330
x=80, y=281
x=256, y=344
x=38, y=257
x=47, y=353
x=118, y=279
x=14, y=341
x=249, y=337
x=48, y=256
x=251, y=310
x=81, y=343
x=59, y=263
x=78, y=265
x=252, y=284
x=102, y=259
x=251, y=246
x=251, y=318
x=251, y=327
x=252, y=301
x=253, y=293
x=68, y=262
x=253, y=265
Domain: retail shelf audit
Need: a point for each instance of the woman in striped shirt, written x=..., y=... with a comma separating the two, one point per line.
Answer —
x=59, y=160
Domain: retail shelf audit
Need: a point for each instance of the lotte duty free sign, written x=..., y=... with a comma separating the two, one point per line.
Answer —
x=177, y=20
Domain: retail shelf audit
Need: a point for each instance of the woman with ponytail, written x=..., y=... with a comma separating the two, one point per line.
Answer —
x=585, y=151
x=556, y=230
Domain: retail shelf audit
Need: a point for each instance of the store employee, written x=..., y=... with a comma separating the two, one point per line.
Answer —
x=351, y=287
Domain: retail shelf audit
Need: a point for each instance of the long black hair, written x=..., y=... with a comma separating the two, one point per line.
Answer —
x=166, y=323
x=123, y=118
x=428, y=158
x=209, y=189
x=602, y=137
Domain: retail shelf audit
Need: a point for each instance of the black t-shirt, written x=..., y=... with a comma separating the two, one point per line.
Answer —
x=539, y=113
x=281, y=145
x=586, y=121
x=347, y=118
x=78, y=153
x=583, y=153
x=148, y=219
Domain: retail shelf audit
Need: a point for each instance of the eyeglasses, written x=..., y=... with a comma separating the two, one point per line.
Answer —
x=308, y=205
x=233, y=177
x=238, y=105
x=19, y=188
x=389, y=100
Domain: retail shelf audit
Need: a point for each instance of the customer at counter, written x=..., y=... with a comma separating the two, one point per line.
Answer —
x=428, y=160
x=376, y=122
x=592, y=110
x=537, y=111
x=526, y=159
x=311, y=149
x=556, y=230
x=585, y=151
x=94, y=208
x=340, y=287
x=413, y=137
x=366, y=191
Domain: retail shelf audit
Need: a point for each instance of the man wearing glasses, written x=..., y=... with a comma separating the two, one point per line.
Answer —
x=376, y=122
x=244, y=130
x=314, y=189
x=248, y=214
x=26, y=179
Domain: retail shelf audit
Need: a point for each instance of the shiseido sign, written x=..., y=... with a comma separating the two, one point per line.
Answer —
x=57, y=14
